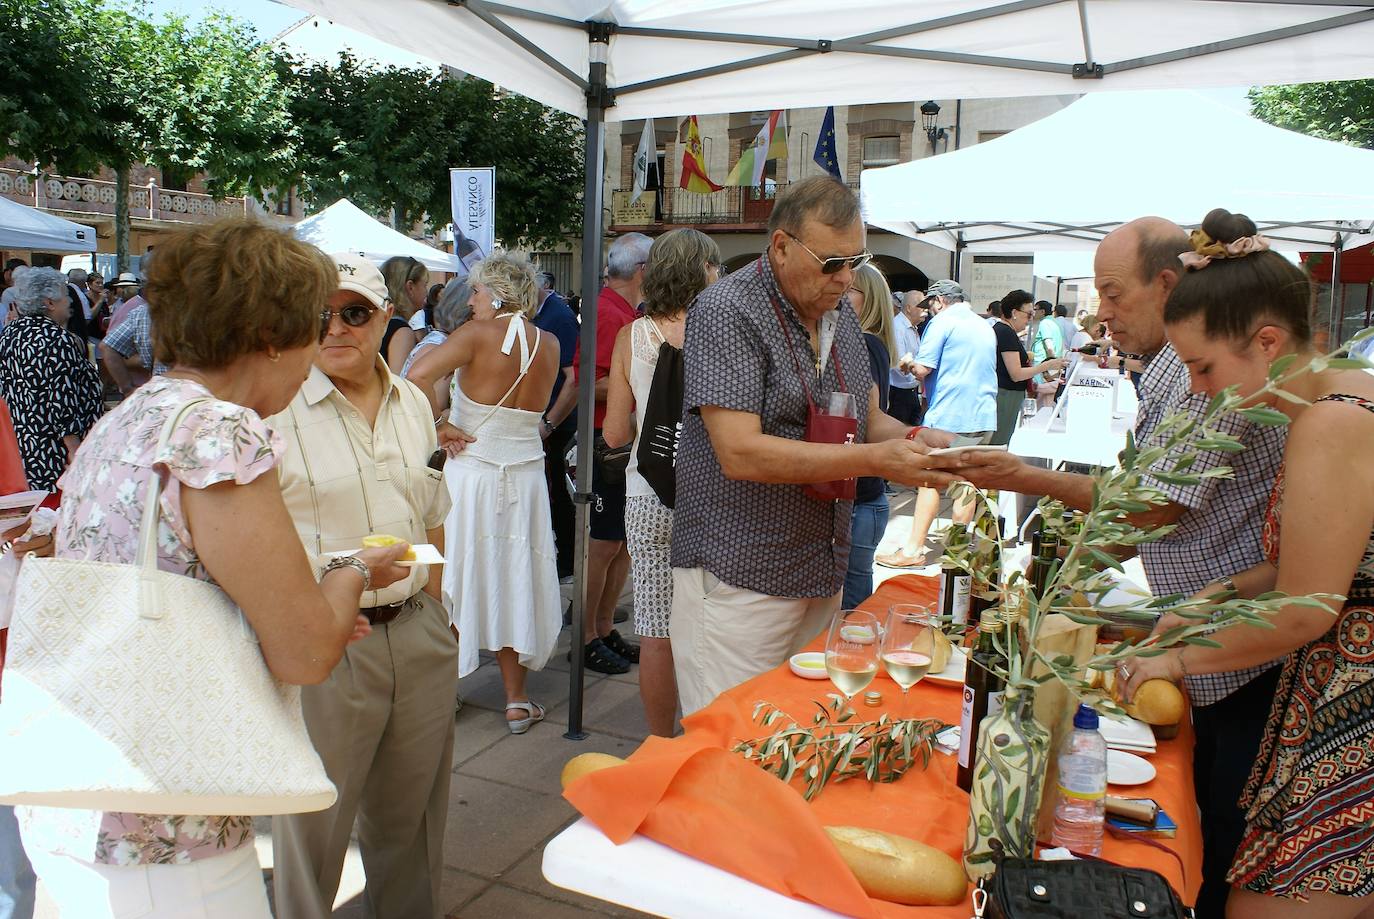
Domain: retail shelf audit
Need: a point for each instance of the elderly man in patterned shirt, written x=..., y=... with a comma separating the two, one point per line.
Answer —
x=1217, y=524
x=758, y=563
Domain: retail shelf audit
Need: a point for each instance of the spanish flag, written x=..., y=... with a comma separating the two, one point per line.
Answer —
x=694, y=177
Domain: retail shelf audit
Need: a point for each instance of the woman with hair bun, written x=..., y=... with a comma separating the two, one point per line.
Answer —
x=1308, y=848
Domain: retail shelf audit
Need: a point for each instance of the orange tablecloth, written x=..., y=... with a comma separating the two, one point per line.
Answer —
x=693, y=795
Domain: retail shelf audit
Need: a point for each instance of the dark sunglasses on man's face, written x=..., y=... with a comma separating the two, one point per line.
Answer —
x=355, y=315
x=836, y=263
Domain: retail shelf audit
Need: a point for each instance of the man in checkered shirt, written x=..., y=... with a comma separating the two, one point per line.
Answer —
x=1217, y=524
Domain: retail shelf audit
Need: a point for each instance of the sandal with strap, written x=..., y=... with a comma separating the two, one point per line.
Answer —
x=534, y=713
x=598, y=657
x=903, y=559
x=622, y=647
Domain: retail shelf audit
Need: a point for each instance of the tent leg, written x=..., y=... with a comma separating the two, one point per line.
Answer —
x=593, y=155
x=1337, y=301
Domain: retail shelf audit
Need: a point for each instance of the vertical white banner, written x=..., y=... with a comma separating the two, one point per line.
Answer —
x=473, y=193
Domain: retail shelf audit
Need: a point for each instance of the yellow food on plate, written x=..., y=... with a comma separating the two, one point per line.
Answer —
x=382, y=540
x=585, y=763
x=898, y=869
x=939, y=657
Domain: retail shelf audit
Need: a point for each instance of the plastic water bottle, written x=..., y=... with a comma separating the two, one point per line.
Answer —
x=1079, y=814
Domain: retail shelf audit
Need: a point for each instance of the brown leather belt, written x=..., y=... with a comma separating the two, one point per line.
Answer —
x=381, y=615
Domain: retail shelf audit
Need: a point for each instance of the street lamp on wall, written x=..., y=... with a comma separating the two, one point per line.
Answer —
x=930, y=110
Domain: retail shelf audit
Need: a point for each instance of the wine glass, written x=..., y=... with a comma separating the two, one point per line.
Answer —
x=909, y=643
x=851, y=650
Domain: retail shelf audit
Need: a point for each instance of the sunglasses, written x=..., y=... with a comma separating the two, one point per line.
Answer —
x=355, y=315
x=836, y=263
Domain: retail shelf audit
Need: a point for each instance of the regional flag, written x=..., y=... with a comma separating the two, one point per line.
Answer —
x=826, y=156
x=646, y=158
x=771, y=143
x=694, y=177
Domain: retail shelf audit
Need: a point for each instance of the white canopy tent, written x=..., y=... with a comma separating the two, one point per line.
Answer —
x=1067, y=180
x=343, y=227
x=23, y=227
x=623, y=59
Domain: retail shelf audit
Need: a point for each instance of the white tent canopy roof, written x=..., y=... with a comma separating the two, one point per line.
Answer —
x=669, y=57
x=1066, y=180
x=23, y=227
x=343, y=227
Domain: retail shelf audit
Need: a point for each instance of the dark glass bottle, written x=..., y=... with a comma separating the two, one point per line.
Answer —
x=983, y=690
x=955, y=584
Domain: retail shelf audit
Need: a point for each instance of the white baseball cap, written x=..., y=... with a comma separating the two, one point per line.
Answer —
x=361, y=276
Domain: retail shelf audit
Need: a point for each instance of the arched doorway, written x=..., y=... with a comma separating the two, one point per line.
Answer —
x=900, y=274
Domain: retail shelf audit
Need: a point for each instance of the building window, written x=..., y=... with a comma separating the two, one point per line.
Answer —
x=285, y=202
x=985, y=136
x=881, y=151
x=174, y=179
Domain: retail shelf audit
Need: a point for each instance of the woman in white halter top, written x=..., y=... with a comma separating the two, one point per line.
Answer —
x=501, y=575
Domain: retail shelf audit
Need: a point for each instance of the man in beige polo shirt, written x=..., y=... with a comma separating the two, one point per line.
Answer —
x=359, y=439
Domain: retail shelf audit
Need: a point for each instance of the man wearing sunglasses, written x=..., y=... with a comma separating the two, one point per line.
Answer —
x=758, y=563
x=358, y=444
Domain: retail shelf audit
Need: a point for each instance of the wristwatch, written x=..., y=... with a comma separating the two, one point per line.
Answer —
x=548, y=425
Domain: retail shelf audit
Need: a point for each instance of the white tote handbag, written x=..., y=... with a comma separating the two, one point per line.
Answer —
x=131, y=689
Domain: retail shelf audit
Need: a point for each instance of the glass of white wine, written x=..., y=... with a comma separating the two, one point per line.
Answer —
x=851, y=650
x=909, y=643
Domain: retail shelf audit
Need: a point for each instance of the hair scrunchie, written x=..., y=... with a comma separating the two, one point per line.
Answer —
x=1205, y=248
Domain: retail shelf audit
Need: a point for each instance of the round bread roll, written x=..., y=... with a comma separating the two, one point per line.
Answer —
x=1157, y=702
x=898, y=869
x=585, y=763
x=939, y=657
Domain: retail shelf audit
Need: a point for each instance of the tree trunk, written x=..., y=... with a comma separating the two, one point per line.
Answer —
x=122, y=218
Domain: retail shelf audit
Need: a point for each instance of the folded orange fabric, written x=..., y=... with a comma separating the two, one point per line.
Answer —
x=694, y=795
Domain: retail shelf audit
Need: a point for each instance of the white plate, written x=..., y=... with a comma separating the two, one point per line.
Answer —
x=19, y=507
x=1128, y=769
x=809, y=665
x=1127, y=734
x=953, y=674
x=425, y=554
x=981, y=448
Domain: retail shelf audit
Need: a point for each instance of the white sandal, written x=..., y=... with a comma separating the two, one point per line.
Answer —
x=534, y=714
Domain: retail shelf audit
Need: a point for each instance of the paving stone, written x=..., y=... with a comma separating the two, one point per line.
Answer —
x=534, y=761
x=475, y=730
x=458, y=889
x=501, y=902
x=611, y=707
x=491, y=826
x=483, y=689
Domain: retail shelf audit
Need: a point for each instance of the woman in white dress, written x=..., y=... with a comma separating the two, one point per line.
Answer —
x=501, y=577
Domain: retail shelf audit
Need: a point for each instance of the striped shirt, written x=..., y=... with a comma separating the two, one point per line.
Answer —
x=1220, y=532
x=343, y=480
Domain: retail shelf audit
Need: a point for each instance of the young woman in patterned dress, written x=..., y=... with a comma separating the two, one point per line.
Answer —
x=1309, y=843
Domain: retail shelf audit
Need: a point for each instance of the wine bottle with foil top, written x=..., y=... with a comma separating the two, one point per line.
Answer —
x=983, y=689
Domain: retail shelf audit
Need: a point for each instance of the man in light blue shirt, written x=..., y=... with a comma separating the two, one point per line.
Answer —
x=957, y=362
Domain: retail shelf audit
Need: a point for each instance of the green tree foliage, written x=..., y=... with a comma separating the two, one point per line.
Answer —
x=1342, y=110
x=385, y=138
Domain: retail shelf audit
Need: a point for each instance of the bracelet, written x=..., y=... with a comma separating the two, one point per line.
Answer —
x=440, y=420
x=1183, y=668
x=350, y=561
x=911, y=435
x=1228, y=583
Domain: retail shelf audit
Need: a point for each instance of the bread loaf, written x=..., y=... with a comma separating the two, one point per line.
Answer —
x=940, y=652
x=585, y=763
x=1157, y=702
x=898, y=869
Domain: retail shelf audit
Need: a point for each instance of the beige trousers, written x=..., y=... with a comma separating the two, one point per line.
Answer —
x=724, y=635
x=383, y=725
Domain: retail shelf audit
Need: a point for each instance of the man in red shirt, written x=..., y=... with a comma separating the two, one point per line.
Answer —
x=608, y=563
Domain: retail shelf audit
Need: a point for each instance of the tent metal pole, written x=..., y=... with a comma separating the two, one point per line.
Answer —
x=599, y=98
x=1337, y=302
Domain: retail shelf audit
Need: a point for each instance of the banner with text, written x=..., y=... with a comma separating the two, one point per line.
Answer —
x=474, y=212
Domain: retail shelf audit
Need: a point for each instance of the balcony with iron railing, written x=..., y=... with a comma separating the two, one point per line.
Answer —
x=76, y=197
x=732, y=209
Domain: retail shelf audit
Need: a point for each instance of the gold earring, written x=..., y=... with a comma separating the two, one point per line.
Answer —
x=273, y=357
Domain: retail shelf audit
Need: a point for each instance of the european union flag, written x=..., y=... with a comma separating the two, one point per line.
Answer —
x=826, y=155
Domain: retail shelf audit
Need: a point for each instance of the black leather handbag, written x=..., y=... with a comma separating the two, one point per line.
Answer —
x=1024, y=888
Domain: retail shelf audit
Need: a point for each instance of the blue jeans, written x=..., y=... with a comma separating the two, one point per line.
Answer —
x=866, y=531
x=16, y=875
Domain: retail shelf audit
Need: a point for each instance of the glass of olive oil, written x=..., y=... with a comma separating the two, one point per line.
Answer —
x=909, y=643
x=851, y=650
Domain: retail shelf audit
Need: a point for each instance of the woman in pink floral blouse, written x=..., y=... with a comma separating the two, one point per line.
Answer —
x=236, y=310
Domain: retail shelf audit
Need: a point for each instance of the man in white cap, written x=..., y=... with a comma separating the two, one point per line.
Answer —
x=125, y=288
x=359, y=439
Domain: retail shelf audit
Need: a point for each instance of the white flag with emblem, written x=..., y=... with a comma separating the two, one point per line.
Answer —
x=644, y=155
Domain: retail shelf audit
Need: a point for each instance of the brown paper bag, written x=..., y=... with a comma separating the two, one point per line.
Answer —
x=1054, y=704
